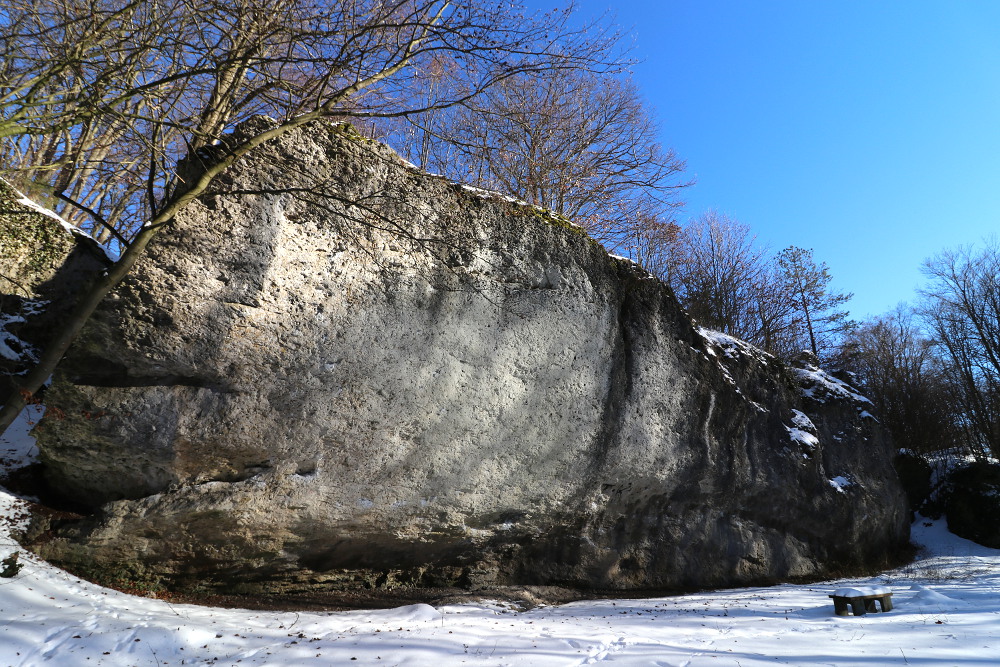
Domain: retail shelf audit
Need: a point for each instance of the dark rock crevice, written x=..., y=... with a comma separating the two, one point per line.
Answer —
x=126, y=381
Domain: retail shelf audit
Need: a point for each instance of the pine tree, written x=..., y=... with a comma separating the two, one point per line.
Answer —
x=817, y=307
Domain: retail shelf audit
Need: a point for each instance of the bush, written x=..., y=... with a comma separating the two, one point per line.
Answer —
x=10, y=566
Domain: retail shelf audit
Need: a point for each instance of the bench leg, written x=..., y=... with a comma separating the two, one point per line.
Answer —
x=859, y=607
x=886, y=603
x=840, y=606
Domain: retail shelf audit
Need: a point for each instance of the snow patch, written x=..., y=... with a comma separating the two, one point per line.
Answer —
x=38, y=208
x=17, y=446
x=859, y=591
x=733, y=348
x=493, y=194
x=7, y=339
x=802, y=421
x=21, y=350
x=804, y=438
x=819, y=385
x=49, y=213
x=840, y=482
x=624, y=259
x=803, y=431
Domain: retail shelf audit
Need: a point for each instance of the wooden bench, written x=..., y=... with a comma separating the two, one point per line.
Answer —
x=861, y=600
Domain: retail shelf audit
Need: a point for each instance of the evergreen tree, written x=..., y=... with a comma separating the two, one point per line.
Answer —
x=818, y=309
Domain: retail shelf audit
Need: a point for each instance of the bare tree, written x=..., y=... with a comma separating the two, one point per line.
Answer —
x=772, y=309
x=68, y=96
x=727, y=282
x=150, y=82
x=647, y=238
x=962, y=310
x=92, y=89
x=900, y=372
x=580, y=143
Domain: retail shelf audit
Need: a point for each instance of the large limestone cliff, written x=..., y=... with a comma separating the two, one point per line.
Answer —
x=335, y=369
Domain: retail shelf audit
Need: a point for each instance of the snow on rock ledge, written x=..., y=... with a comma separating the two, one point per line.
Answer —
x=390, y=380
x=44, y=264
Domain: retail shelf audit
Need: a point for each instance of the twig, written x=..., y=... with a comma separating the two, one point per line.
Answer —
x=154, y=654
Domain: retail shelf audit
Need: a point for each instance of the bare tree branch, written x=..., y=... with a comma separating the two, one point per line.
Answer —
x=101, y=100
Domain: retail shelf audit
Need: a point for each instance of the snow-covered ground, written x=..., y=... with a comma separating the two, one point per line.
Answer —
x=947, y=612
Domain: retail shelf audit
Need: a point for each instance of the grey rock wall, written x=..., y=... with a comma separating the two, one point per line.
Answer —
x=43, y=267
x=337, y=370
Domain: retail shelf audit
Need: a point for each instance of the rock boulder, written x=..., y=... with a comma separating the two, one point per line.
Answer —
x=335, y=370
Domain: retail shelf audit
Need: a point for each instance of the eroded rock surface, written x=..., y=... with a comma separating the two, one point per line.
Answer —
x=336, y=369
x=43, y=267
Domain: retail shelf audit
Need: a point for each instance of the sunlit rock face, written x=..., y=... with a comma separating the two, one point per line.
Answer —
x=335, y=370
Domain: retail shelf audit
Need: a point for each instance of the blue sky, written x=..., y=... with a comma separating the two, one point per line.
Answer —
x=867, y=131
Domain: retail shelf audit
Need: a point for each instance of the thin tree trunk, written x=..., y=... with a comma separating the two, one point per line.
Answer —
x=26, y=386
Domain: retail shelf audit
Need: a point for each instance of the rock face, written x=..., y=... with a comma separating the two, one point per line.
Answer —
x=973, y=504
x=337, y=369
x=43, y=265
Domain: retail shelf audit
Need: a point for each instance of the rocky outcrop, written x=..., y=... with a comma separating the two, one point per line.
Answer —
x=973, y=503
x=44, y=264
x=335, y=369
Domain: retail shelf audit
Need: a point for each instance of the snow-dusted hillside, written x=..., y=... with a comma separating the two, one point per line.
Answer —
x=946, y=613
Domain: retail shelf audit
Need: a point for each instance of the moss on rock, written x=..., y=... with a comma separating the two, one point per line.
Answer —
x=32, y=244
